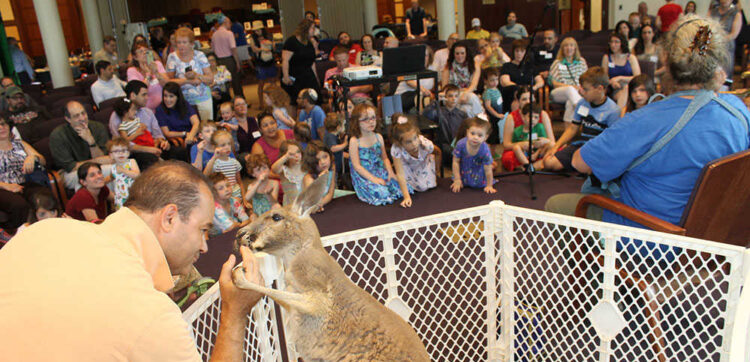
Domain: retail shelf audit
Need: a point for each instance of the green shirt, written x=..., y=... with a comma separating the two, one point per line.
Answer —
x=68, y=148
x=519, y=135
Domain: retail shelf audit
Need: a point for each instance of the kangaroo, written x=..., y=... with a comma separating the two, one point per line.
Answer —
x=329, y=317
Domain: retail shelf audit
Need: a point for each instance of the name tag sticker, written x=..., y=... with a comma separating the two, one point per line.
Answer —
x=611, y=65
x=583, y=111
x=534, y=136
x=499, y=101
x=543, y=52
x=256, y=134
x=654, y=58
x=561, y=66
x=548, y=56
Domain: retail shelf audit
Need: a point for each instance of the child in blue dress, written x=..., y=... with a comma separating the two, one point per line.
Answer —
x=372, y=175
x=472, y=160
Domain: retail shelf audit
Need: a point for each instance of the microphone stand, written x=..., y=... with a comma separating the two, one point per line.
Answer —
x=524, y=67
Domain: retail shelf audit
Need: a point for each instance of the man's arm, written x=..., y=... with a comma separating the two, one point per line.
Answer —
x=579, y=164
x=235, y=305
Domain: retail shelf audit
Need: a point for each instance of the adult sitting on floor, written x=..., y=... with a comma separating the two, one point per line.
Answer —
x=659, y=180
x=512, y=75
x=77, y=142
x=19, y=177
x=24, y=116
x=271, y=138
x=137, y=92
x=108, y=85
x=132, y=256
x=90, y=202
x=177, y=118
x=464, y=71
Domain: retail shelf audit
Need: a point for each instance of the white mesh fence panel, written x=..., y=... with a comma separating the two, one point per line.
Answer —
x=506, y=283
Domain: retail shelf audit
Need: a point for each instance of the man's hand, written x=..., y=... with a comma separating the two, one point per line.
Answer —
x=85, y=134
x=233, y=299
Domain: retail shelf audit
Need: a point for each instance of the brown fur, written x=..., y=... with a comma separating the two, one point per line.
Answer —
x=329, y=317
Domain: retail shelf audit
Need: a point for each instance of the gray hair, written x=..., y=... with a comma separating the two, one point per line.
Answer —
x=692, y=67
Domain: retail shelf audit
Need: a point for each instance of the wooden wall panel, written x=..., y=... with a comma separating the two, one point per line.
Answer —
x=28, y=27
x=529, y=13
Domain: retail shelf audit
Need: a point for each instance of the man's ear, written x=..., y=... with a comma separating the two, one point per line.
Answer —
x=168, y=218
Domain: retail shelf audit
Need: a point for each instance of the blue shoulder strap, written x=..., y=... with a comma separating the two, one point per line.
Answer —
x=702, y=97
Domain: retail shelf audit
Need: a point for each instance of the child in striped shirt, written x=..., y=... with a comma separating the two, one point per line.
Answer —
x=131, y=127
x=223, y=162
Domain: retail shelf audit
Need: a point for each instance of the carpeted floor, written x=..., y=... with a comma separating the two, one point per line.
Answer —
x=348, y=213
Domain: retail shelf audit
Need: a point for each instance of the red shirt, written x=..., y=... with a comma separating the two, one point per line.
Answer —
x=83, y=199
x=353, y=51
x=669, y=14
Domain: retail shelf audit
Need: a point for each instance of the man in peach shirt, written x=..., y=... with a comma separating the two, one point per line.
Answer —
x=76, y=291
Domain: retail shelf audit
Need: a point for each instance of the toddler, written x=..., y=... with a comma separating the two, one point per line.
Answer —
x=43, y=206
x=223, y=162
x=517, y=147
x=335, y=138
x=228, y=121
x=131, y=127
x=493, y=102
x=262, y=192
x=276, y=100
x=229, y=214
x=302, y=134
x=124, y=170
x=317, y=162
x=472, y=160
x=413, y=157
x=372, y=175
x=289, y=168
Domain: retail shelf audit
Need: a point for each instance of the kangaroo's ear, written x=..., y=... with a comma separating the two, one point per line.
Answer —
x=307, y=200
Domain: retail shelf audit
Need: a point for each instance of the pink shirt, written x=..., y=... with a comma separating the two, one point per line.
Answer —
x=223, y=42
x=154, y=88
x=336, y=71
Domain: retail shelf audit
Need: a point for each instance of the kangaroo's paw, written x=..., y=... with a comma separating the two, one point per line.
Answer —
x=288, y=300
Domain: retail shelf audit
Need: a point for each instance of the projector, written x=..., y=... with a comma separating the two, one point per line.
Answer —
x=365, y=72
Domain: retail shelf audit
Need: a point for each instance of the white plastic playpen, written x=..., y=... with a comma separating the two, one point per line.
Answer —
x=503, y=283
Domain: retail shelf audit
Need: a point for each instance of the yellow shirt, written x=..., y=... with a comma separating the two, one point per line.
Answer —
x=481, y=34
x=77, y=291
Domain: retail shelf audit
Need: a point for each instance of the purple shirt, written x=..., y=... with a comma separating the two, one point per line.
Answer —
x=145, y=115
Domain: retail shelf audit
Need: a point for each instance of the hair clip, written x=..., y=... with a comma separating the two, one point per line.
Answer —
x=313, y=94
x=402, y=120
x=702, y=40
x=127, y=100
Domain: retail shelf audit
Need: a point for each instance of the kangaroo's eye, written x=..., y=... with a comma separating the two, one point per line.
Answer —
x=276, y=217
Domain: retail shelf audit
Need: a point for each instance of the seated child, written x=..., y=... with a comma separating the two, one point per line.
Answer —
x=413, y=157
x=131, y=127
x=335, y=139
x=516, y=141
x=317, y=162
x=229, y=213
x=289, y=168
x=228, y=121
x=472, y=160
x=124, y=170
x=593, y=114
x=43, y=206
x=372, y=176
x=223, y=162
x=262, y=192
x=640, y=89
x=203, y=151
x=302, y=134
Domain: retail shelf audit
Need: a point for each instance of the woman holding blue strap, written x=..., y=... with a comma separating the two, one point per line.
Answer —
x=657, y=152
